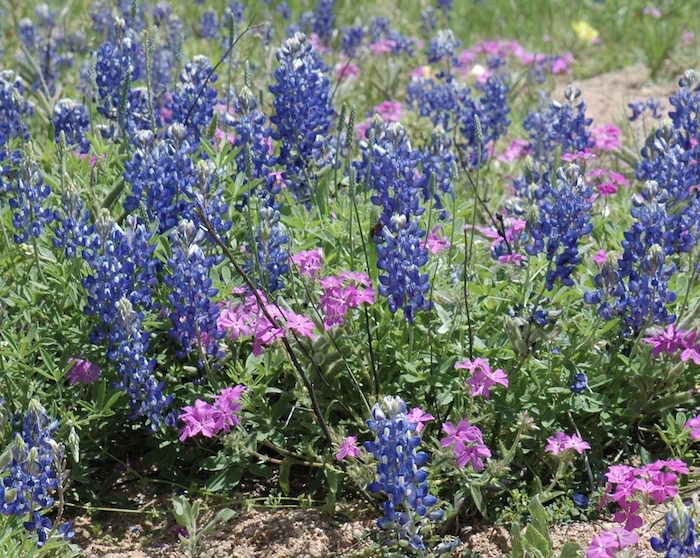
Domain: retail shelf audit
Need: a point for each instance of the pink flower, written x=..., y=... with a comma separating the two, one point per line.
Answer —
x=694, y=426
x=672, y=340
x=607, y=137
x=348, y=447
x=198, y=419
x=482, y=378
x=468, y=444
x=299, y=324
x=421, y=72
x=345, y=70
x=562, y=442
x=584, y=155
x=225, y=408
x=607, y=543
x=224, y=137
x=420, y=417
x=512, y=259
x=562, y=64
x=516, y=150
x=390, y=111
x=308, y=261
x=687, y=37
x=652, y=11
x=600, y=257
x=341, y=293
x=607, y=189
x=436, y=244
x=82, y=371
x=629, y=516
x=382, y=46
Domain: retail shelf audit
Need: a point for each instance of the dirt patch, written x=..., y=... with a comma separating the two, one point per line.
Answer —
x=299, y=533
x=608, y=94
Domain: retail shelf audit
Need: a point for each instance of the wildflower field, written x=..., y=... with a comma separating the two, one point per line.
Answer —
x=378, y=265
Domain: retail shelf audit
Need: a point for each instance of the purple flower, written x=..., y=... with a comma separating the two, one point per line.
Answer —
x=348, y=448
x=82, y=371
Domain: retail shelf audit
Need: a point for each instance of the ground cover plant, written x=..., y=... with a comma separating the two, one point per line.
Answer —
x=381, y=259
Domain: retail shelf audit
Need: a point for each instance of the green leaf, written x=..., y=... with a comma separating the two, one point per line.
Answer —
x=570, y=550
x=516, y=541
x=475, y=491
x=285, y=468
x=181, y=509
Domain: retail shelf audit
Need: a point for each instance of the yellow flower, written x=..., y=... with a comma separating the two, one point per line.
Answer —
x=584, y=31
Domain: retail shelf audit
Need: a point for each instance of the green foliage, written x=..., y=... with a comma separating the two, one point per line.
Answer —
x=536, y=542
x=187, y=515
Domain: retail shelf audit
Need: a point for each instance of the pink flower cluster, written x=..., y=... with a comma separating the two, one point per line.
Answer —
x=561, y=443
x=607, y=137
x=608, y=181
x=389, y=111
x=513, y=229
x=246, y=318
x=503, y=48
x=420, y=417
x=694, y=426
x=82, y=371
x=342, y=292
x=672, y=340
x=468, y=444
x=435, y=243
x=309, y=262
x=209, y=420
x=516, y=150
x=628, y=486
x=482, y=377
x=347, y=448
x=600, y=257
x=346, y=69
x=608, y=543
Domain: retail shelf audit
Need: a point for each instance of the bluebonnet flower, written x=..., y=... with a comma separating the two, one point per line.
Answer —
x=128, y=348
x=678, y=539
x=400, y=473
x=284, y=10
x=121, y=265
x=636, y=286
x=428, y=22
x=669, y=161
x=45, y=43
x=451, y=104
x=380, y=28
x=351, y=38
x=324, y=19
x=442, y=46
x=302, y=119
x=30, y=469
x=389, y=167
x=639, y=107
x=168, y=183
x=559, y=126
x=271, y=257
x=208, y=25
x=686, y=106
x=123, y=274
x=193, y=312
x=559, y=223
x=580, y=383
x=14, y=108
x=439, y=168
x=445, y=6
x=254, y=138
x=234, y=11
x=73, y=230
x=117, y=67
x=72, y=119
x=193, y=102
x=581, y=500
x=28, y=202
